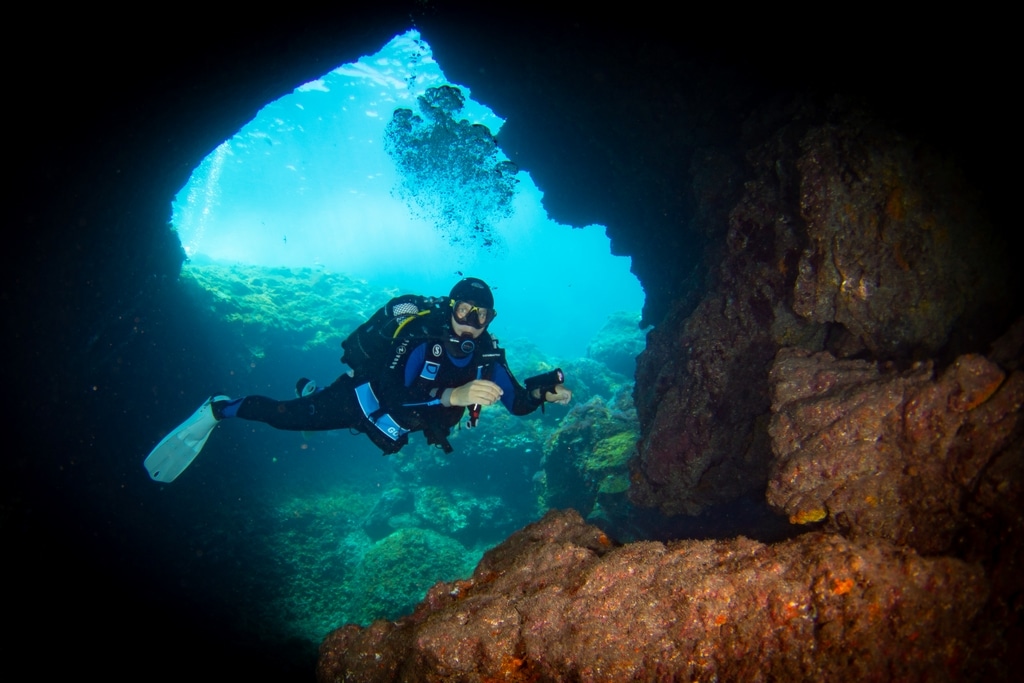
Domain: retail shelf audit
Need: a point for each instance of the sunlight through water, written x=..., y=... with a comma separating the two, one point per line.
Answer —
x=309, y=183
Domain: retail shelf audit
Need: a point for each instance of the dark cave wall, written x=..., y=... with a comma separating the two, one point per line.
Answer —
x=844, y=236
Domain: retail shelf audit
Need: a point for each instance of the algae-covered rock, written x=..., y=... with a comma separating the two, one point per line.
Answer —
x=608, y=461
x=397, y=571
x=588, y=455
x=311, y=307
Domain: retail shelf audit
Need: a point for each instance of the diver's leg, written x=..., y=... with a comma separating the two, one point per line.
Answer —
x=335, y=407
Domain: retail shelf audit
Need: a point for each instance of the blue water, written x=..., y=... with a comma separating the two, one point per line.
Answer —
x=308, y=183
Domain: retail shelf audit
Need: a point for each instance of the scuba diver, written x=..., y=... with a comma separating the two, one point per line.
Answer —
x=418, y=364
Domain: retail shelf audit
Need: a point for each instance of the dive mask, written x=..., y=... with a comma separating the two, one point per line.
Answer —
x=468, y=313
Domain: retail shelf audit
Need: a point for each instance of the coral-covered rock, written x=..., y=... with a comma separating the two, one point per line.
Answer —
x=890, y=454
x=396, y=570
x=558, y=601
x=586, y=458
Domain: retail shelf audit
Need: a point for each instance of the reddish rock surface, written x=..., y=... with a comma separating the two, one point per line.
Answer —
x=559, y=601
x=895, y=455
x=896, y=252
x=701, y=382
x=699, y=443
x=845, y=237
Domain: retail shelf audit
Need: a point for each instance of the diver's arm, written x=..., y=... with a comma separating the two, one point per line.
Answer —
x=515, y=397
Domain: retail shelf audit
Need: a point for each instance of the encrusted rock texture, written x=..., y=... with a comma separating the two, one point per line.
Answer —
x=559, y=601
x=874, y=451
x=843, y=237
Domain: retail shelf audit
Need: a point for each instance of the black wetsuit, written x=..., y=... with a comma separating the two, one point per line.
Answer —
x=401, y=399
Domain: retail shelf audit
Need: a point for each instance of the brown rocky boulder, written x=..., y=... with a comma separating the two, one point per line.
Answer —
x=559, y=601
x=871, y=451
x=844, y=237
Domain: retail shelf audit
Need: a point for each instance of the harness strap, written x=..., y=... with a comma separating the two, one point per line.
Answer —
x=408, y=319
x=370, y=406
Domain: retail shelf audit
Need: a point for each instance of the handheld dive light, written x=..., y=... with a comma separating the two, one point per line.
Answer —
x=545, y=383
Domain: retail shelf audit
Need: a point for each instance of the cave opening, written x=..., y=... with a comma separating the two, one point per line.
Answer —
x=321, y=180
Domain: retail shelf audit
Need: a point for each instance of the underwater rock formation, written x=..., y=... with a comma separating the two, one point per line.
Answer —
x=699, y=391
x=896, y=250
x=833, y=356
x=311, y=307
x=397, y=569
x=585, y=458
x=559, y=601
x=845, y=237
x=618, y=343
x=883, y=453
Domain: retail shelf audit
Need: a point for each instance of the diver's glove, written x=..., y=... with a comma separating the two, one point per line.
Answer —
x=545, y=383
